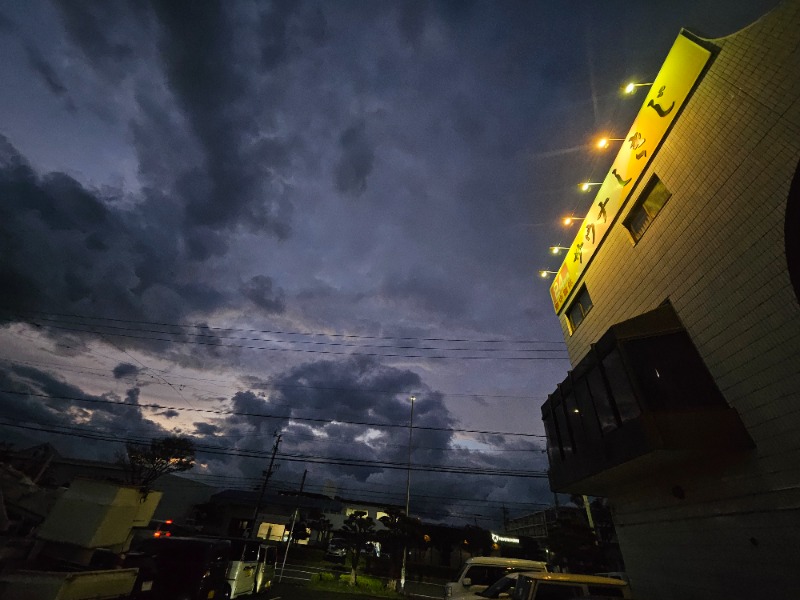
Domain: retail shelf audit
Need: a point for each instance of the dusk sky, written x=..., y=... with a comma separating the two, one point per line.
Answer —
x=229, y=219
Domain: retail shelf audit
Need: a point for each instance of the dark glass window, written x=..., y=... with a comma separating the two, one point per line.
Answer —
x=523, y=588
x=602, y=401
x=554, y=449
x=557, y=591
x=670, y=372
x=574, y=419
x=586, y=409
x=564, y=434
x=618, y=381
x=482, y=575
x=579, y=308
x=605, y=591
x=650, y=202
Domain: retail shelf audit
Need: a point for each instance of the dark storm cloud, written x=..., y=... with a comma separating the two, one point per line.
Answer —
x=67, y=249
x=427, y=292
x=48, y=74
x=90, y=26
x=6, y=24
x=248, y=409
x=259, y=290
x=125, y=370
x=274, y=36
x=206, y=429
x=168, y=414
x=356, y=160
x=31, y=397
x=207, y=78
x=16, y=407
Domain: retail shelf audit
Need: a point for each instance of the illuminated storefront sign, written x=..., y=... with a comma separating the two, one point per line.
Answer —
x=504, y=539
x=684, y=63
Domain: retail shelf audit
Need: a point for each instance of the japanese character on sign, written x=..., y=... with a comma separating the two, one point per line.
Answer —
x=590, y=232
x=578, y=256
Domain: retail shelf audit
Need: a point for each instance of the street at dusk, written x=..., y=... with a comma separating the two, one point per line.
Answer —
x=410, y=282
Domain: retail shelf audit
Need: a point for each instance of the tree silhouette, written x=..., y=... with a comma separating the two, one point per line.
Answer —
x=145, y=464
x=358, y=530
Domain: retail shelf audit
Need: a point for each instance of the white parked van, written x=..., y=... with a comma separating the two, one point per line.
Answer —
x=480, y=572
x=545, y=586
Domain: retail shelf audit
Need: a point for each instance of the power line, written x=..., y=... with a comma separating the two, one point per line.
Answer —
x=305, y=350
x=262, y=415
x=120, y=332
x=346, y=462
x=268, y=331
x=277, y=341
x=266, y=384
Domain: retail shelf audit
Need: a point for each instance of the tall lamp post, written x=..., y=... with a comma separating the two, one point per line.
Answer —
x=408, y=496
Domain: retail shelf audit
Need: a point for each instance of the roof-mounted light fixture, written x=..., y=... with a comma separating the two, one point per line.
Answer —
x=544, y=274
x=588, y=184
x=631, y=87
x=603, y=142
x=568, y=220
x=557, y=249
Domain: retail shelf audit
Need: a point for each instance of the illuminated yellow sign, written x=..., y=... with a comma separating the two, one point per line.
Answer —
x=684, y=63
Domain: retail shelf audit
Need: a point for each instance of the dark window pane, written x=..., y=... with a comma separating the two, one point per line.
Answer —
x=251, y=551
x=621, y=390
x=587, y=410
x=563, y=431
x=605, y=591
x=523, y=589
x=575, y=315
x=585, y=301
x=575, y=421
x=579, y=308
x=555, y=591
x=671, y=373
x=602, y=401
x=649, y=204
x=554, y=448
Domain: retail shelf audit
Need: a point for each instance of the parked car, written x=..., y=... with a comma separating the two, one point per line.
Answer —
x=337, y=550
x=502, y=588
x=178, y=568
x=551, y=586
x=615, y=575
x=480, y=572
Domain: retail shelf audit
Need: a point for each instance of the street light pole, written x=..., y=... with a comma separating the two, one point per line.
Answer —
x=408, y=496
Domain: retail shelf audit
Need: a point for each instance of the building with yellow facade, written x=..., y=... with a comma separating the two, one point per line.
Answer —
x=678, y=301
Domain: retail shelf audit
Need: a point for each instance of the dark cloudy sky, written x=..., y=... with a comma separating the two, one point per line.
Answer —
x=263, y=216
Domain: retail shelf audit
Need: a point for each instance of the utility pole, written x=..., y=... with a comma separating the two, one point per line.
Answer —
x=267, y=474
x=291, y=527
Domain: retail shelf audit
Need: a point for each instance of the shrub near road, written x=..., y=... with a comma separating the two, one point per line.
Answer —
x=366, y=585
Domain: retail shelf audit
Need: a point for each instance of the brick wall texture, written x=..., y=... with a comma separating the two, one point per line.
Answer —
x=717, y=252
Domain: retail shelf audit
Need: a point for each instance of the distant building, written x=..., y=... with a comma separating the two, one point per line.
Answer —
x=50, y=469
x=678, y=301
x=538, y=525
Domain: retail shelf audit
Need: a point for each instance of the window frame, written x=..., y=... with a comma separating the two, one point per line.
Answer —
x=576, y=303
x=638, y=209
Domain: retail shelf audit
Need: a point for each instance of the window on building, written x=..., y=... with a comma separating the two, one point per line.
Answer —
x=619, y=381
x=554, y=448
x=650, y=202
x=603, y=403
x=671, y=373
x=586, y=409
x=579, y=308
